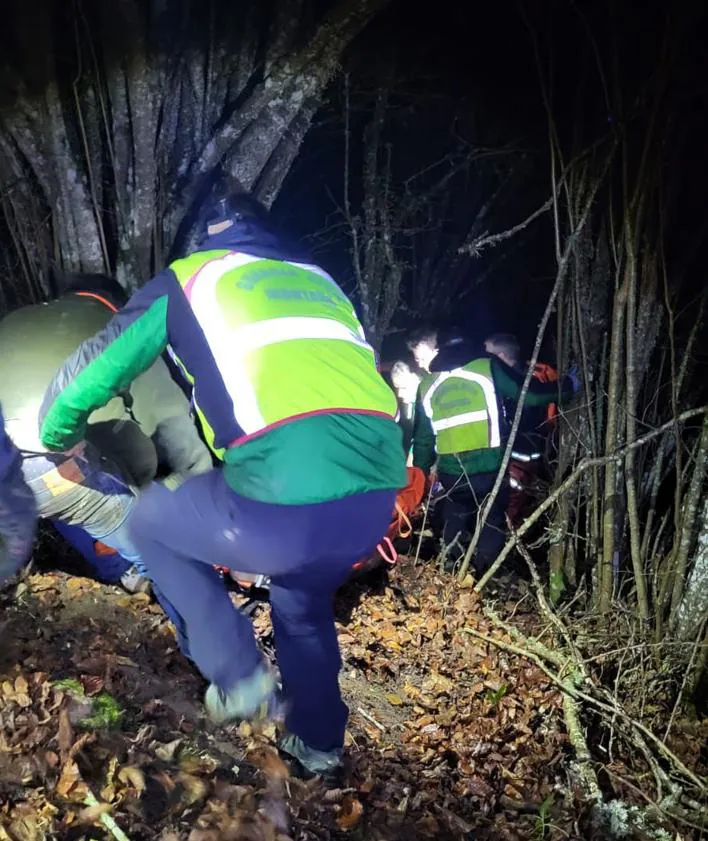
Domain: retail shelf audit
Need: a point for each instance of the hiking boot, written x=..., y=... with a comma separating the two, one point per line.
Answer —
x=254, y=698
x=314, y=763
x=134, y=581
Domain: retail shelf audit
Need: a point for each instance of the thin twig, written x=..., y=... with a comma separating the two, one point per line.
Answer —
x=563, y=267
x=422, y=528
x=478, y=244
x=601, y=705
x=687, y=672
x=583, y=466
x=371, y=719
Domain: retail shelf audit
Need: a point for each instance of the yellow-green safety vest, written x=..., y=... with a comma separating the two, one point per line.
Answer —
x=462, y=407
x=285, y=338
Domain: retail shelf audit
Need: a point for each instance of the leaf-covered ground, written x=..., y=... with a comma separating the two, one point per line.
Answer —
x=449, y=738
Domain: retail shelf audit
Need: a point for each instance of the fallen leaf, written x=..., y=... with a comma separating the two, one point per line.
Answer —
x=351, y=813
x=204, y=835
x=51, y=758
x=25, y=828
x=69, y=777
x=77, y=584
x=92, y=814
x=166, y=751
x=194, y=788
x=394, y=699
x=21, y=686
x=368, y=785
x=132, y=776
x=124, y=661
x=65, y=734
x=269, y=763
x=93, y=684
x=479, y=787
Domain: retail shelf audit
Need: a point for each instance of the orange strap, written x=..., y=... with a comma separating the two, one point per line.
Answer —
x=405, y=527
x=95, y=296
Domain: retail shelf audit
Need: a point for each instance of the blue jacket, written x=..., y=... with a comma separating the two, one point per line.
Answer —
x=18, y=509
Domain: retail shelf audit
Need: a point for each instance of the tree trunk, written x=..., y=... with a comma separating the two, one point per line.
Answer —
x=685, y=538
x=693, y=609
x=606, y=577
x=124, y=114
x=632, y=375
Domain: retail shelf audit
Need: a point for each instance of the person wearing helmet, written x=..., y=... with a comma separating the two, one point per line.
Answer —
x=458, y=423
x=288, y=394
x=18, y=509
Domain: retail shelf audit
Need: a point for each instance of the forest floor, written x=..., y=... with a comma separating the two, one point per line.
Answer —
x=449, y=737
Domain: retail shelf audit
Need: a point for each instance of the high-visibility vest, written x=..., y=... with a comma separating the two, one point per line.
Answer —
x=462, y=407
x=285, y=339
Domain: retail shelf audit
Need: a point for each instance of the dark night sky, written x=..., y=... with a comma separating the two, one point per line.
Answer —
x=461, y=51
x=483, y=52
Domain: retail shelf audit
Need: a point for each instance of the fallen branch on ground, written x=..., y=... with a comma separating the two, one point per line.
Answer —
x=569, y=679
x=371, y=719
x=107, y=821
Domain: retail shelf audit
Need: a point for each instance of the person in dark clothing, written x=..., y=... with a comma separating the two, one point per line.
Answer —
x=18, y=509
x=303, y=425
x=535, y=426
x=458, y=421
x=89, y=493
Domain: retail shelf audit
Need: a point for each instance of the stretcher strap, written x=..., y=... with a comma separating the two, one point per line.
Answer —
x=104, y=301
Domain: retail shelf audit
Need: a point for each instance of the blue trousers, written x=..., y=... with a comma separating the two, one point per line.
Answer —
x=307, y=550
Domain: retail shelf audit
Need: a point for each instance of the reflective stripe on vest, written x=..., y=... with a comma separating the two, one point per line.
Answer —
x=525, y=457
x=459, y=420
x=490, y=398
x=232, y=346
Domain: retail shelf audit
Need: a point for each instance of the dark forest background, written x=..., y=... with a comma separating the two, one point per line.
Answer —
x=534, y=166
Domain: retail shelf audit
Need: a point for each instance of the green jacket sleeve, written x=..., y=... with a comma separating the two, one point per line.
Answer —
x=423, y=438
x=104, y=366
x=509, y=383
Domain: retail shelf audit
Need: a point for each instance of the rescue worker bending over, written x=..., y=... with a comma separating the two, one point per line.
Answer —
x=18, y=509
x=93, y=486
x=287, y=390
x=458, y=420
x=536, y=425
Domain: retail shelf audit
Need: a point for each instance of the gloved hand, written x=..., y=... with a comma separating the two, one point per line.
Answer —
x=573, y=376
x=432, y=485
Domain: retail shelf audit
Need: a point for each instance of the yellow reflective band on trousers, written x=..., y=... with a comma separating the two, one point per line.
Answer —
x=285, y=338
x=462, y=407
